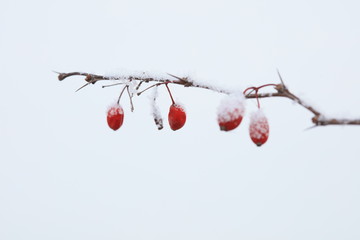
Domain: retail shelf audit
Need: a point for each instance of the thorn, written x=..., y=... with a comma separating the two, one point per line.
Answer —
x=278, y=72
x=309, y=128
x=179, y=78
x=82, y=86
x=111, y=85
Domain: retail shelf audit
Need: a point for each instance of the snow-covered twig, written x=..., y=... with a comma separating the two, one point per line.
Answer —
x=280, y=91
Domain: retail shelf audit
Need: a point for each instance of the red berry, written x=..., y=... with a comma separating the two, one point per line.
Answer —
x=115, y=117
x=230, y=120
x=230, y=112
x=259, y=128
x=177, y=117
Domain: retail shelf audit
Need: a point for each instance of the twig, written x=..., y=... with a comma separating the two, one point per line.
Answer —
x=130, y=97
x=281, y=91
x=155, y=110
x=121, y=93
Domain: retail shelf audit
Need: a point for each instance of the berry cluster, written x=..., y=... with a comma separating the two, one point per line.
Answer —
x=230, y=115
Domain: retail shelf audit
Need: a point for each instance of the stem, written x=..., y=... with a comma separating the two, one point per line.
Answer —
x=172, y=99
x=130, y=97
x=138, y=86
x=155, y=111
x=111, y=85
x=257, y=97
x=256, y=89
x=249, y=88
x=155, y=85
x=121, y=93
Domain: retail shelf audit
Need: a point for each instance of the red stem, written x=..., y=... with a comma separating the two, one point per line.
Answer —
x=256, y=89
x=257, y=97
x=155, y=85
x=172, y=99
x=249, y=88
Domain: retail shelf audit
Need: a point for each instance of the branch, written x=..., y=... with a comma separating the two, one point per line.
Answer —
x=281, y=91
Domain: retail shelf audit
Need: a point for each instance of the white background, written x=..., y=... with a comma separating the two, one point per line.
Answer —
x=65, y=175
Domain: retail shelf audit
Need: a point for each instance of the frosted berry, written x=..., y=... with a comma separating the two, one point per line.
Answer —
x=259, y=128
x=230, y=112
x=176, y=117
x=230, y=120
x=115, y=117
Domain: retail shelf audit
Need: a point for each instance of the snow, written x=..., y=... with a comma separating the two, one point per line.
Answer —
x=132, y=87
x=155, y=108
x=114, y=109
x=258, y=124
x=231, y=107
x=64, y=175
x=179, y=104
x=198, y=81
x=126, y=74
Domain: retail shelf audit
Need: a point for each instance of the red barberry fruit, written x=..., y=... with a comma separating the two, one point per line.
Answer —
x=176, y=117
x=231, y=112
x=115, y=117
x=259, y=128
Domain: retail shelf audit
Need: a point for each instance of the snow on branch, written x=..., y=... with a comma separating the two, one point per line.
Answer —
x=138, y=81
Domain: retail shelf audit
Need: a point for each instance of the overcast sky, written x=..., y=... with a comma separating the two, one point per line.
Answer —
x=64, y=174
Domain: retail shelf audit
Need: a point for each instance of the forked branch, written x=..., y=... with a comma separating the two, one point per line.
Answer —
x=280, y=91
